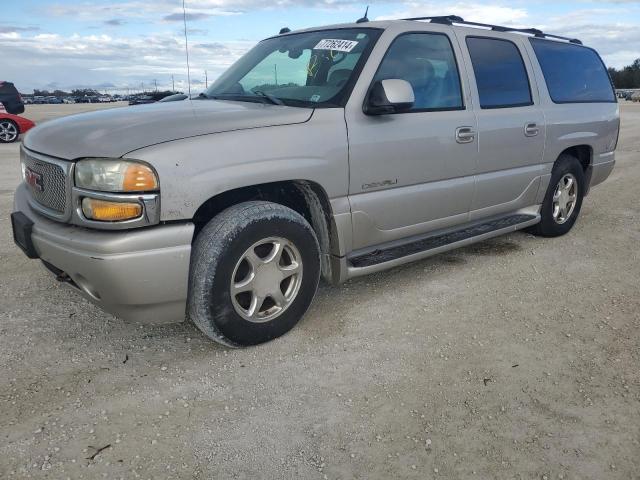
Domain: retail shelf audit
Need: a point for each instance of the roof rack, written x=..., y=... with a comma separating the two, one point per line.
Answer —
x=454, y=19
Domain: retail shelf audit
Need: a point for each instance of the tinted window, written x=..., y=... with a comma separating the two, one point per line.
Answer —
x=427, y=62
x=500, y=73
x=573, y=73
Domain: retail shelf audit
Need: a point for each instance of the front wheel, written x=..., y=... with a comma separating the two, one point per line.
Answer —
x=563, y=200
x=9, y=131
x=254, y=272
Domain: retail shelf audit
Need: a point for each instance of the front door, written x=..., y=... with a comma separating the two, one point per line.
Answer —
x=413, y=172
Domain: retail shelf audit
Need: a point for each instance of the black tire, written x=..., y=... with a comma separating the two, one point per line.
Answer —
x=15, y=125
x=548, y=226
x=215, y=253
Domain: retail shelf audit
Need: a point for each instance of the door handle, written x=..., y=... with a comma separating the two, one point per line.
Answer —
x=465, y=134
x=531, y=130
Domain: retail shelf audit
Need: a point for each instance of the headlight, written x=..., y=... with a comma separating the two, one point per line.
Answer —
x=114, y=175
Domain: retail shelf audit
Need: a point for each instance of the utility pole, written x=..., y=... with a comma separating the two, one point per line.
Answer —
x=206, y=80
x=173, y=84
x=186, y=47
x=155, y=82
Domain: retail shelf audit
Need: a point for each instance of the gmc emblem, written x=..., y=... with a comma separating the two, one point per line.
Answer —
x=34, y=179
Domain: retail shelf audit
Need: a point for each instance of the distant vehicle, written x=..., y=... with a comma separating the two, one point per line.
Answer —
x=12, y=126
x=635, y=97
x=53, y=100
x=10, y=98
x=142, y=100
x=39, y=100
x=104, y=99
x=68, y=100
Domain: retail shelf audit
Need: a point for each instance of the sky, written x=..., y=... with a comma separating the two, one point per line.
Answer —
x=135, y=44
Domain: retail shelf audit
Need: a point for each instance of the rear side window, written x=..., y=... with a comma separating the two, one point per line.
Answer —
x=573, y=73
x=500, y=73
x=427, y=62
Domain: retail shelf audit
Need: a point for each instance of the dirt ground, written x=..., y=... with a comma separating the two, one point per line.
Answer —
x=516, y=358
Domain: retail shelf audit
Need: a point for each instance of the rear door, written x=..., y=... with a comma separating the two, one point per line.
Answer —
x=408, y=172
x=511, y=122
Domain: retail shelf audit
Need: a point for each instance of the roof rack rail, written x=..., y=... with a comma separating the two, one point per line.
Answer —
x=451, y=19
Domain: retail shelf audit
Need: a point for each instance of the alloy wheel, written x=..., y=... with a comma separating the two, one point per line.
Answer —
x=564, y=198
x=266, y=279
x=8, y=131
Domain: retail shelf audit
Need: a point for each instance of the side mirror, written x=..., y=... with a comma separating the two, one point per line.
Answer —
x=389, y=96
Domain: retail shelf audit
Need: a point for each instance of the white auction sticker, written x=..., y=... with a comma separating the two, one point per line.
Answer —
x=335, y=44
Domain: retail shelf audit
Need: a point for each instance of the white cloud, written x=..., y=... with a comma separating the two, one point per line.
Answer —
x=10, y=35
x=78, y=60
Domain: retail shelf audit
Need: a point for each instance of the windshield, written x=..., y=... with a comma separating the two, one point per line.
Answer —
x=312, y=69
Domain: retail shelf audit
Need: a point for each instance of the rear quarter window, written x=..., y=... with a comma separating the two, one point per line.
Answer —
x=573, y=73
x=500, y=73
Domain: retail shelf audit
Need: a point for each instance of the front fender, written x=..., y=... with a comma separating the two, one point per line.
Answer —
x=195, y=169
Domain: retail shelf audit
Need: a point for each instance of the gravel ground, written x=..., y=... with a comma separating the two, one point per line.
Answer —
x=516, y=358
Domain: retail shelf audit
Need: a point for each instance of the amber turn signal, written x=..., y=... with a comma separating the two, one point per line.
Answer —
x=105, y=211
x=139, y=178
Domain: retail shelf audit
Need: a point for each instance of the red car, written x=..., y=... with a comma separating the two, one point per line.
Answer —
x=12, y=126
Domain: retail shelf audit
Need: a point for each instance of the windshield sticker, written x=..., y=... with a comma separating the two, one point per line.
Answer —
x=335, y=44
x=315, y=98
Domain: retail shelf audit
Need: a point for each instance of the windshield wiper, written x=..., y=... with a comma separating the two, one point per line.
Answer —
x=259, y=96
x=274, y=100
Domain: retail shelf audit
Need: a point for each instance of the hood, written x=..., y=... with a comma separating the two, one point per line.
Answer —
x=115, y=132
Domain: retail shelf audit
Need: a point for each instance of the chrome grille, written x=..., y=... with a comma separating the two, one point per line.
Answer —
x=54, y=184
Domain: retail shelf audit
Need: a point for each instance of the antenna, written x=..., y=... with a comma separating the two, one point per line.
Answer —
x=186, y=46
x=364, y=19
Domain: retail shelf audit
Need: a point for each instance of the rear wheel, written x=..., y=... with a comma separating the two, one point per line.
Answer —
x=9, y=131
x=563, y=200
x=254, y=272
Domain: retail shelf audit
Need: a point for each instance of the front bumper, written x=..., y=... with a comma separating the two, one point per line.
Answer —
x=139, y=275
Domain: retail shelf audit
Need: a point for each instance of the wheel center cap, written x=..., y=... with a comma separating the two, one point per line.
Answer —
x=267, y=279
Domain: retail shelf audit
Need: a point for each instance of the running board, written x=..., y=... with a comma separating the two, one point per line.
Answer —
x=397, y=254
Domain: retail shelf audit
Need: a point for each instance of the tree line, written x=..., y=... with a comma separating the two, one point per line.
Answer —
x=83, y=92
x=626, y=77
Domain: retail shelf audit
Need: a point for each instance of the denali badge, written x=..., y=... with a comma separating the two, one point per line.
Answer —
x=383, y=183
x=34, y=179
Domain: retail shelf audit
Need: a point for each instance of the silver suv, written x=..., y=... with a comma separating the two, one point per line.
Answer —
x=336, y=152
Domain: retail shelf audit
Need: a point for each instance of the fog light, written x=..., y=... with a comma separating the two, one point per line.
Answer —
x=104, y=211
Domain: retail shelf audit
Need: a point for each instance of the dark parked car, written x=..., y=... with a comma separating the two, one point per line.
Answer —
x=10, y=98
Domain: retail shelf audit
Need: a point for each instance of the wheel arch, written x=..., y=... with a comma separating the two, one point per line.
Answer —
x=306, y=197
x=584, y=154
x=11, y=120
